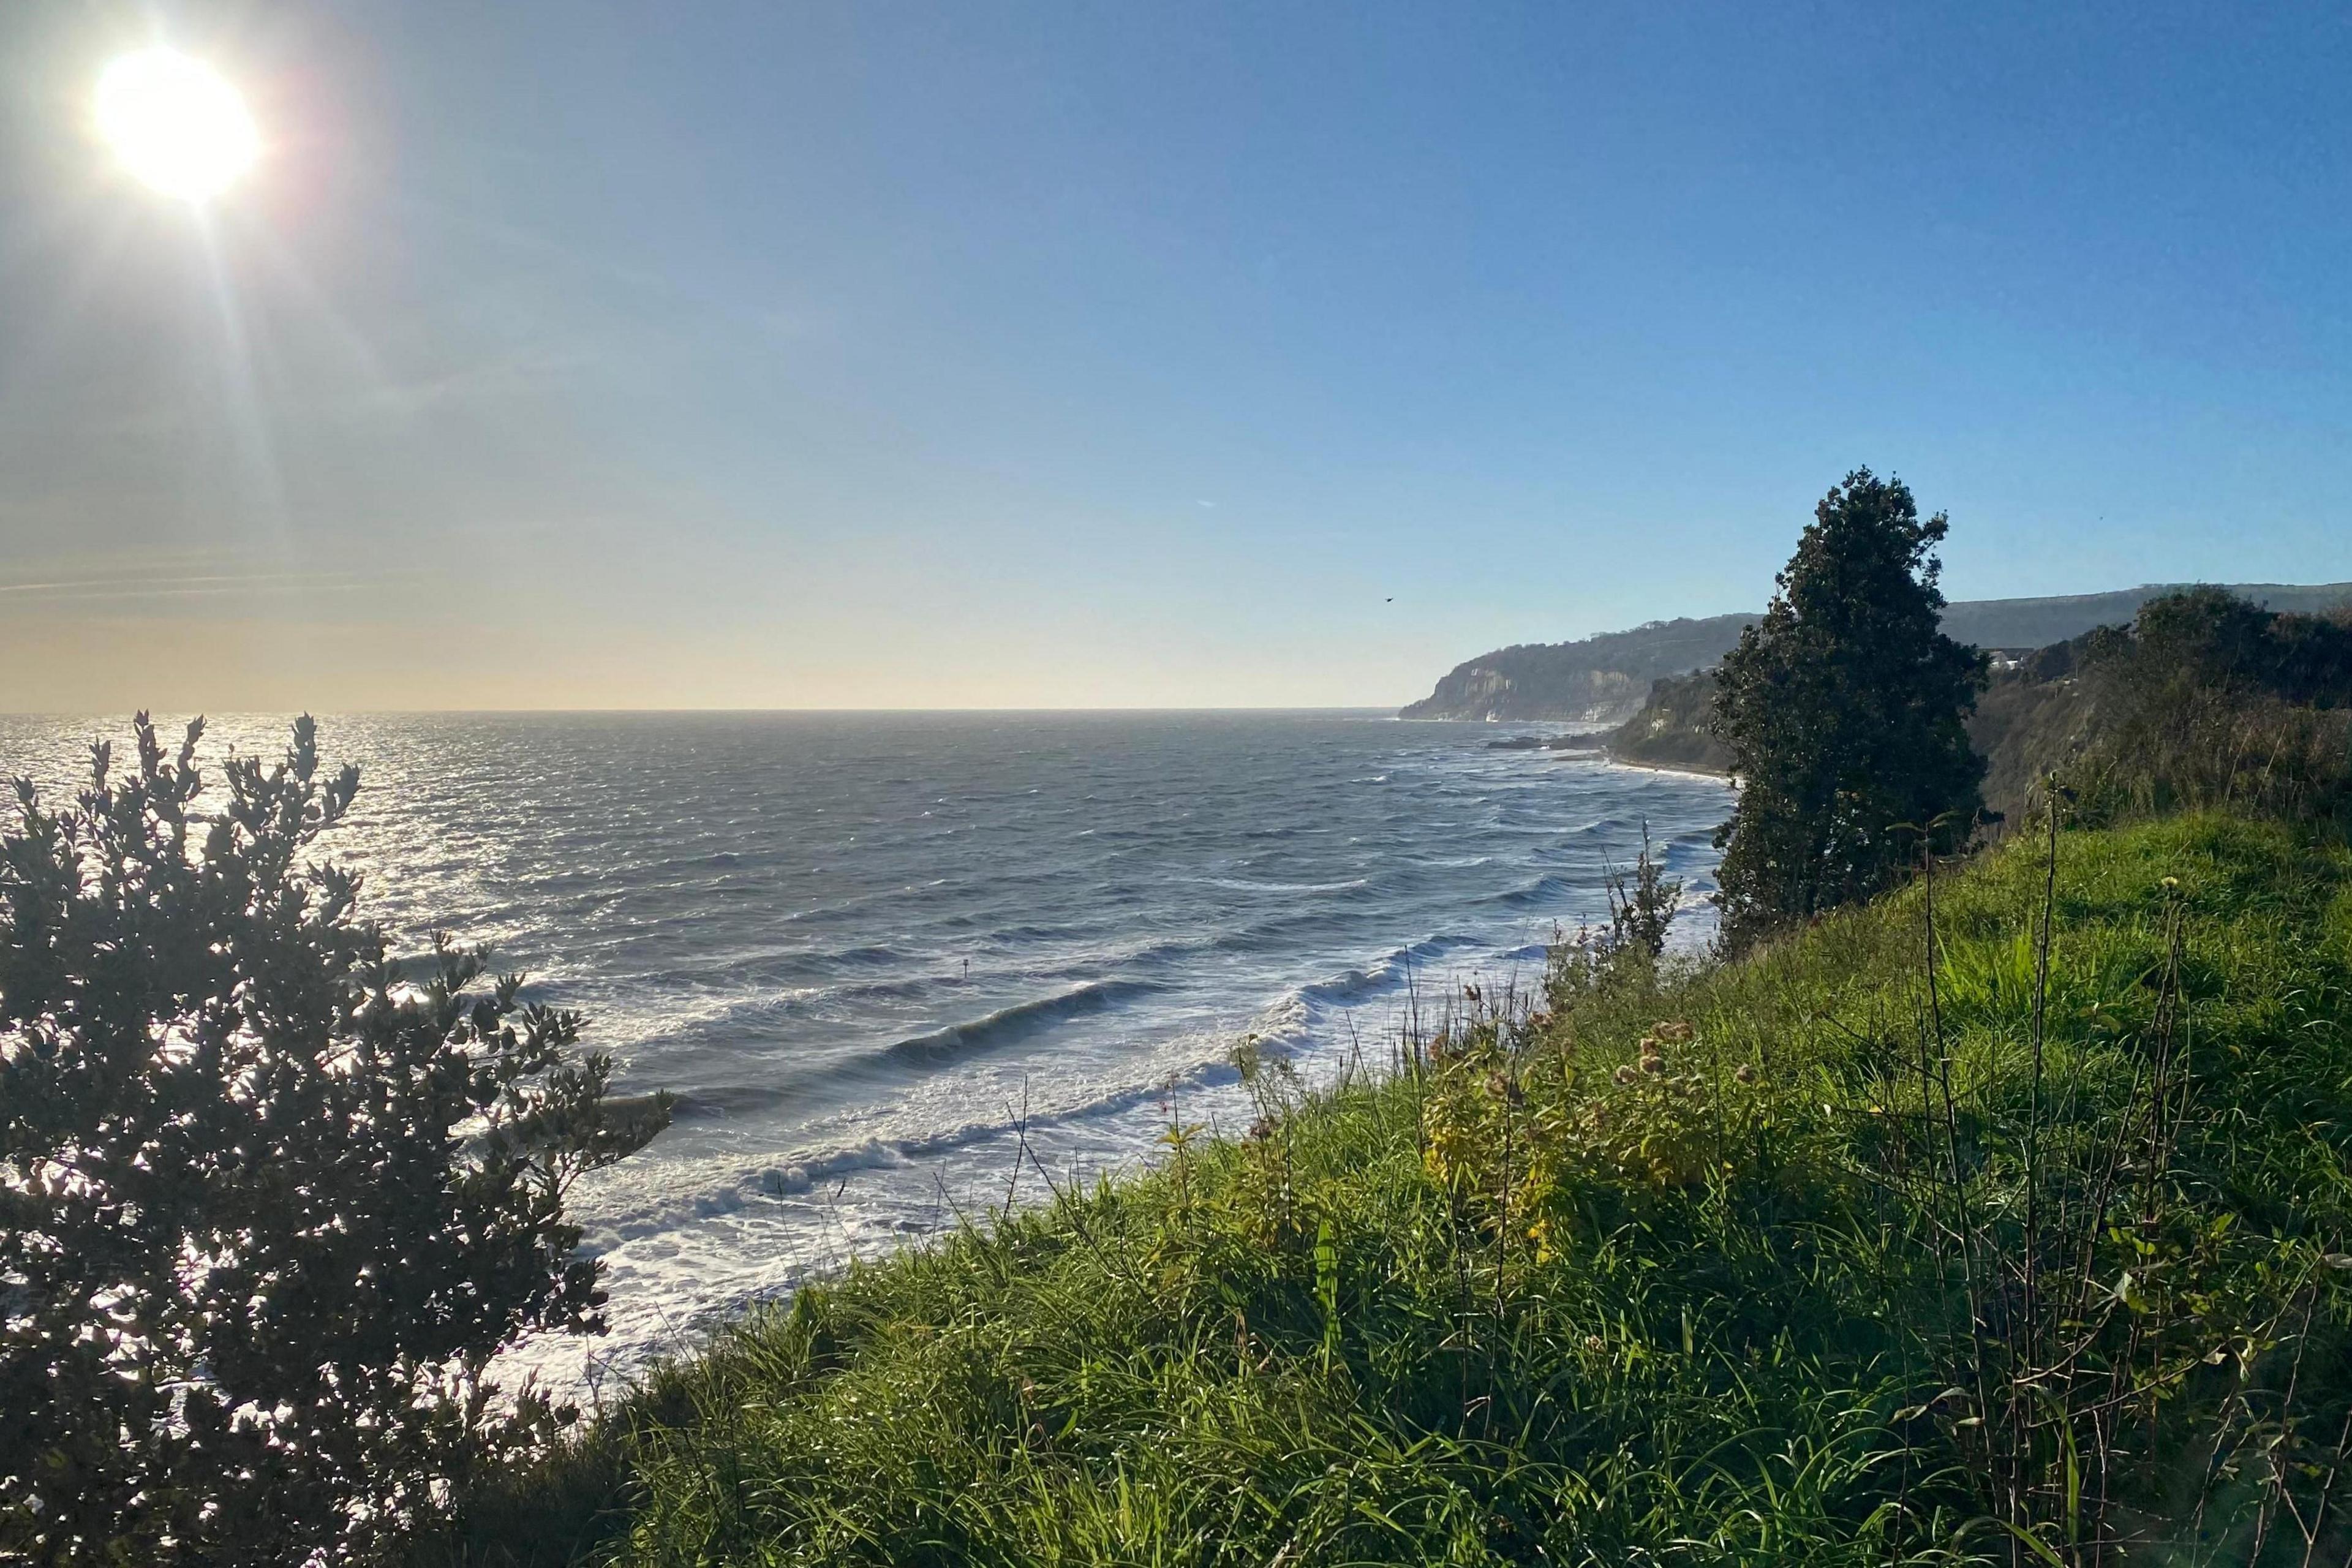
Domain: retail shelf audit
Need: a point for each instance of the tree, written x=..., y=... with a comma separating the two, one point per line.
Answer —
x=267, y=1205
x=1843, y=708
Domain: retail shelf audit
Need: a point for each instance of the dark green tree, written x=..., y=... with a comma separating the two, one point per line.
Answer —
x=268, y=1206
x=1843, y=708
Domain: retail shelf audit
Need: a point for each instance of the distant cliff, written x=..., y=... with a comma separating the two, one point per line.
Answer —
x=1606, y=678
x=1601, y=678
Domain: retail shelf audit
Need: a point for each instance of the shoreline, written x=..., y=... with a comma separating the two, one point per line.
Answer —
x=1682, y=771
x=1608, y=758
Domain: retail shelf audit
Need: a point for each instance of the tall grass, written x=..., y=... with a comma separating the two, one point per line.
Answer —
x=2203, y=749
x=2003, y=1220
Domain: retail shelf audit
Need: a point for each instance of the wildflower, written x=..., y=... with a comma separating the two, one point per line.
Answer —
x=1627, y=1073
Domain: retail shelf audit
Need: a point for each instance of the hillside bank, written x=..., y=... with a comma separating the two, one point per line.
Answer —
x=1691, y=1267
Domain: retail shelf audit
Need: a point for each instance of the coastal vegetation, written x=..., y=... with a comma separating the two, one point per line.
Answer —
x=2004, y=1219
x=269, y=1200
x=2204, y=698
x=1843, y=709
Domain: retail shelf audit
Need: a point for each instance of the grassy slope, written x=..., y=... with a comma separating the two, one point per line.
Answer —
x=1533, y=1303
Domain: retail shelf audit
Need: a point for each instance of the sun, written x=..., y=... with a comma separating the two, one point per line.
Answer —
x=176, y=123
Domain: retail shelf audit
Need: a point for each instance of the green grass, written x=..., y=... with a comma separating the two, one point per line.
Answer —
x=1550, y=1294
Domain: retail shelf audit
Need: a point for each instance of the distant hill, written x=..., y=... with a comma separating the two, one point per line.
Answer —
x=1606, y=678
x=2038, y=623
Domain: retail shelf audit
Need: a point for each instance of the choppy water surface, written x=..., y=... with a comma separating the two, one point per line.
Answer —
x=865, y=949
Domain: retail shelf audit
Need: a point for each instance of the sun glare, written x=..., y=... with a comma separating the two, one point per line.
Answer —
x=175, y=123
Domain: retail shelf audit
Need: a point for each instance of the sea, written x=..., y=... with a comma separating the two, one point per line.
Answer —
x=900, y=969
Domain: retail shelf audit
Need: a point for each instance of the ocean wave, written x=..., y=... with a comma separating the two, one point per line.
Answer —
x=1007, y=1025
x=679, y=1197
x=1348, y=986
x=1246, y=885
x=1390, y=973
x=1545, y=890
x=1034, y=934
x=1261, y=936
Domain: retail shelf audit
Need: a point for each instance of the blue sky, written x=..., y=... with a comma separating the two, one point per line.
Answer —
x=570, y=354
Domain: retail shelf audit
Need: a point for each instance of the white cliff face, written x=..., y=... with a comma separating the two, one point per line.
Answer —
x=1479, y=691
x=1600, y=680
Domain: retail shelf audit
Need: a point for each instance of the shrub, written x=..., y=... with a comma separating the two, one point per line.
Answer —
x=2208, y=699
x=267, y=1205
x=1644, y=903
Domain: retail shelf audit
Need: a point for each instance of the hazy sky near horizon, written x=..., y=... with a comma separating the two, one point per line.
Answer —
x=888, y=355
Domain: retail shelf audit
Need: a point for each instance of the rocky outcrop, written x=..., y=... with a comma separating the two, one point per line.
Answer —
x=1670, y=730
